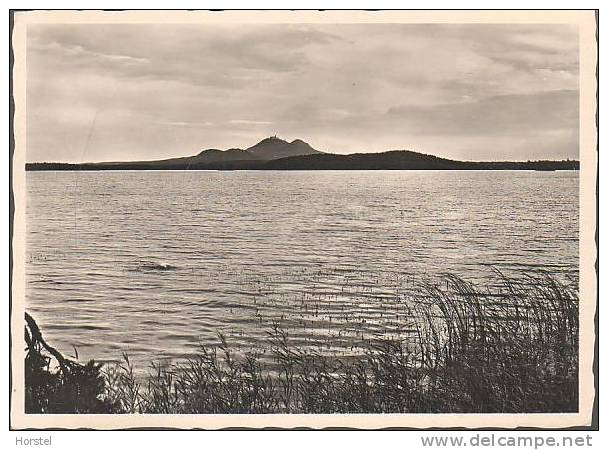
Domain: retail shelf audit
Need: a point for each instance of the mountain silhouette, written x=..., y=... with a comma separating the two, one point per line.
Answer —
x=274, y=153
x=265, y=150
x=275, y=148
x=209, y=156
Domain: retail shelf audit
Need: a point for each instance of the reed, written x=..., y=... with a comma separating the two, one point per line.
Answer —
x=509, y=347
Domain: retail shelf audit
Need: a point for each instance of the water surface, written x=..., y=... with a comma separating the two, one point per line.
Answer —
x=155, y=263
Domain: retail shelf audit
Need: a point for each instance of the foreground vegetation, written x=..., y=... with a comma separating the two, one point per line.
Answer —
x=508, y=348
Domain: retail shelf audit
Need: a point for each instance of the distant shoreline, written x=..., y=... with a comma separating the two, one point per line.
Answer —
x=393, y=160
x=273, y=153
x=114, y=169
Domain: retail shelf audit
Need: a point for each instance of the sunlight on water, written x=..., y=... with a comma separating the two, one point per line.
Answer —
x=155, y=263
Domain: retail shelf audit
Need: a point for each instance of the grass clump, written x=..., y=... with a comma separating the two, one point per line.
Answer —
x=508, y=348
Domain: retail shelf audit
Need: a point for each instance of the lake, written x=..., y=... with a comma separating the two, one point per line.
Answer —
x=156, y=263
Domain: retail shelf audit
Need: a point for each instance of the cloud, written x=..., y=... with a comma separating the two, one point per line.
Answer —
x=146, y=91
x=249, y=122
x=192, y=54
x=503, y=116
x=185, y=124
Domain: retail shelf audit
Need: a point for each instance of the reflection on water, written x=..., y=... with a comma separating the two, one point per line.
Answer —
x=154, y=263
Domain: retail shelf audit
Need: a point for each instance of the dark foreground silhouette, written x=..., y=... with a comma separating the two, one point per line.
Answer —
x=508, y=348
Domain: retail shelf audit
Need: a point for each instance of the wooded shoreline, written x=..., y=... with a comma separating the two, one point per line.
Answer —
x=397, y=160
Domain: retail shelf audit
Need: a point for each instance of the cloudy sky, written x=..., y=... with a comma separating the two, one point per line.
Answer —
x=475, y=92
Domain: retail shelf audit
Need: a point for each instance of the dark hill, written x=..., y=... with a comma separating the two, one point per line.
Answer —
x=209, y=156
x=214, y=155
x=276, y=154
x=267, y=149
x=406, y=160
x=274, y=148
x=396, y=159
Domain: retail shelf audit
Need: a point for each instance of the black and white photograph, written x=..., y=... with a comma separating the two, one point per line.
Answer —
x=303, y=218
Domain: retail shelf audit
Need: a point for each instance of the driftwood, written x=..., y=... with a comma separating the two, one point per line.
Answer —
x=33, y=336
x=72, y=388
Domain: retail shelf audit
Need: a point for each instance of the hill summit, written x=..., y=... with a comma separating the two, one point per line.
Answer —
x=275, y=148
x=267, y=149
